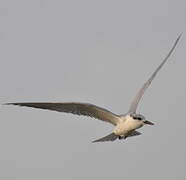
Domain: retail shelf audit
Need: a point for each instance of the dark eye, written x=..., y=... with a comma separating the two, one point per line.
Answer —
x=139, y=118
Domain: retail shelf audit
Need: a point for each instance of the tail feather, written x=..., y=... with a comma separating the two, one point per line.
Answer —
x=110, y=137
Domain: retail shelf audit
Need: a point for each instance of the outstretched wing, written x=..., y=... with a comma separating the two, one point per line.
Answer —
x=75, y=108
x=140, y=93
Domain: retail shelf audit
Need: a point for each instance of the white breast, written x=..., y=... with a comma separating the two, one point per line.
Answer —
x=128, y=125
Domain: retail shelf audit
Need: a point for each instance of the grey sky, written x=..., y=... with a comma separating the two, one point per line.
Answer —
x=99, y=52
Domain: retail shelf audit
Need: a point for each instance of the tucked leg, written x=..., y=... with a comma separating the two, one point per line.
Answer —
x=121, y=137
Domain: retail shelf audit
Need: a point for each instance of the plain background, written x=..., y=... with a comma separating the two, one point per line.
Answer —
x=100, y=52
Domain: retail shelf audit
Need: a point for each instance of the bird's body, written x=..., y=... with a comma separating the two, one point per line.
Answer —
x=125, y=125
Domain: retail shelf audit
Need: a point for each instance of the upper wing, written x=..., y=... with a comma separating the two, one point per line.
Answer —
x=75, y=108
x=140, y=93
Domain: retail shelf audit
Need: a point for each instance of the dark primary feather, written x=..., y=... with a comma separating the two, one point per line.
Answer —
x=140, y=93
x=110, y=137
x=75, y=108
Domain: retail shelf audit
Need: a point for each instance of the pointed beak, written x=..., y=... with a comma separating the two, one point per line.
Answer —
x=148, y=122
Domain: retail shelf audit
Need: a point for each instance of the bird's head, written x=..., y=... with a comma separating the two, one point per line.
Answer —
x=141, y=118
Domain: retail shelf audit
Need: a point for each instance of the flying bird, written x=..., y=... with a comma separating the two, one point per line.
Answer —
x=125, y=125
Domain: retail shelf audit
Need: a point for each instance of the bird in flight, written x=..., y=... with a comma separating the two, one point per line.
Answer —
x=125, y=125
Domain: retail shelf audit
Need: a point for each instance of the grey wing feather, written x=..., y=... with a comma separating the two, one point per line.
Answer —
x=75, y=108
x=110, y=137
x=140, y=93
x=134, y=133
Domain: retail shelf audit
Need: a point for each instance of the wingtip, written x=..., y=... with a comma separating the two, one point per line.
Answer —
x=180, y=36
x=10, y=104
x=94, y=141
x=6, y=104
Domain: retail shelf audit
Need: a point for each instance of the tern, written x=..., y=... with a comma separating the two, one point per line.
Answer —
x=125, y=125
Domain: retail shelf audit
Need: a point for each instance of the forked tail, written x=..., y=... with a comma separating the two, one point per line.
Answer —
x=110, y=137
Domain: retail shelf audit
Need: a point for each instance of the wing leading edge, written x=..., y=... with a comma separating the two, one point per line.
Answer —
x=140, y=93
x=75, y=108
